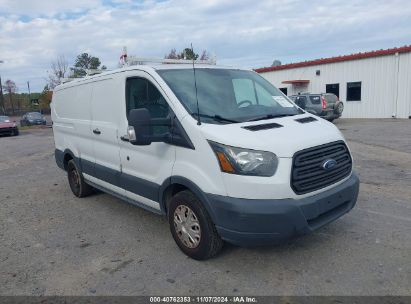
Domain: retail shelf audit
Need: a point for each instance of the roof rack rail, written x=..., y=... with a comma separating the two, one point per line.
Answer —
x=132, y=60
x=68, y=79
x=91, y=72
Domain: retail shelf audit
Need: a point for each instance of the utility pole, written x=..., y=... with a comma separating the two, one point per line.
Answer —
x=1, y=96
x=28, y=87
x=2, y=99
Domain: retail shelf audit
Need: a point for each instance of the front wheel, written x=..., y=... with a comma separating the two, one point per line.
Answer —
x=192, y=228
x=76, y=181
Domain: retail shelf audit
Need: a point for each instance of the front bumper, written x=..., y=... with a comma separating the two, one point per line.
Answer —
x=248, y=222
x=8, y=131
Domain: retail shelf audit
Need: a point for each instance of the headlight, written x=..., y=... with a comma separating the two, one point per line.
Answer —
x=245, y=161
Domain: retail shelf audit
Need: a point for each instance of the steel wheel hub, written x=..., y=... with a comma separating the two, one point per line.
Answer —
x=187, y=226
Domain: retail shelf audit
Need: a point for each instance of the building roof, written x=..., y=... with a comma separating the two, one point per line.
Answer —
x=403, y=49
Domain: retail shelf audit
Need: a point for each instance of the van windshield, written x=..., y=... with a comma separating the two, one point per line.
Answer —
x=227, y=95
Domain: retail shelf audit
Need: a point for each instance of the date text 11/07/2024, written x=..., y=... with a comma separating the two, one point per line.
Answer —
x=182, y=299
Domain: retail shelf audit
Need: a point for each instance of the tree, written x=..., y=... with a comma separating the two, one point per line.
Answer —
x=2, y=99
x=205, y=55
x=84, y=62
x=59, y=69
x=276, y=63
x=10, y=88
x=172, y=55
x=187, y=53
x=45, y=98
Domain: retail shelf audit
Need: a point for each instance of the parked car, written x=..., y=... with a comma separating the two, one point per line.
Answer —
x=8, y=127
x=325, y=105
x=32, y=118
x=221, y=152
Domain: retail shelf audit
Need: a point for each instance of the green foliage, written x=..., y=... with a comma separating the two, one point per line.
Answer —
x=187, y=53
x=84, y=62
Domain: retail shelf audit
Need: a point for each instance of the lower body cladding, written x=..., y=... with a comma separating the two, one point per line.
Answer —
x=244, y=222
x=247, y=222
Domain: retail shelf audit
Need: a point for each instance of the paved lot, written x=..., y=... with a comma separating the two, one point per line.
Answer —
x=54, y=243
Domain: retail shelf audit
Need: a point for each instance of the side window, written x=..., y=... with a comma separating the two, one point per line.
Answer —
x=301, y=101
x=141, y=93
x=315, y=99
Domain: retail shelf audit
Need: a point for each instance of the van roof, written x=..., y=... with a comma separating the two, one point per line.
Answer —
x=147, y=68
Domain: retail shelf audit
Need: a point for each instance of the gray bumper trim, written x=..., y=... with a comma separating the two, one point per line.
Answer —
x=259, y=222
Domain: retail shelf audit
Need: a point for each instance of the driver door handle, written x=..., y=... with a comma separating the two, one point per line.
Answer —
x=97, y=131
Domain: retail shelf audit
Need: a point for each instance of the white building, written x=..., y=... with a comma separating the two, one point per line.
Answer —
x=372, y=85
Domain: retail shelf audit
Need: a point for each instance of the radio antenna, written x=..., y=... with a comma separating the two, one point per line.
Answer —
x=195, y=85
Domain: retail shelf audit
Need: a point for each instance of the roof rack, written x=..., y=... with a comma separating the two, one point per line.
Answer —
x=132, y=60
x=91, y=72
x=68, y=79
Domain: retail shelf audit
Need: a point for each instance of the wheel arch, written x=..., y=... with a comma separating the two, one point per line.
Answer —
x=175, y=184
x=67, y=156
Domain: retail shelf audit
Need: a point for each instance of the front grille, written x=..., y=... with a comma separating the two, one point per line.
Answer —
x=308, y=173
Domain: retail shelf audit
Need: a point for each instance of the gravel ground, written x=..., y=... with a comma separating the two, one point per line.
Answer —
x=52, y=243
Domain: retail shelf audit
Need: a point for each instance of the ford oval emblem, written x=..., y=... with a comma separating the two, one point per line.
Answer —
x=329, y=164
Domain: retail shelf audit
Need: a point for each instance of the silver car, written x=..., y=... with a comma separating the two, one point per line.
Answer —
x=325, y=105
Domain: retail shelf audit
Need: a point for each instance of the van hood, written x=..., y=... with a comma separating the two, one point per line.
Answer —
x=284, y=141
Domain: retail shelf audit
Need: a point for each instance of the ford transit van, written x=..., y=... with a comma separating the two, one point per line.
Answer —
x=220, y=151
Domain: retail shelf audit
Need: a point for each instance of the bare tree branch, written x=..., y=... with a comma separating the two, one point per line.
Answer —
x=59, y=69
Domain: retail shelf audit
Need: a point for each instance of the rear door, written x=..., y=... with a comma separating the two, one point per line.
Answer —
x=331, y=100
x=104, y=127
x=315, y=104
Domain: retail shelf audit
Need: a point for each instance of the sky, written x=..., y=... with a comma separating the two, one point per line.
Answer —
x=242, y=33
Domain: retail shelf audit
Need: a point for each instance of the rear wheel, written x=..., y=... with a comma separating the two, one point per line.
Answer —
x=192, y=228
x=16, y=132
x=76, y=181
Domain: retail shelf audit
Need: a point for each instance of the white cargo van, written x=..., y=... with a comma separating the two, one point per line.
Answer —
x=219, y=151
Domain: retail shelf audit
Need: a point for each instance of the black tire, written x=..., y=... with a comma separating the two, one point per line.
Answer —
x=16, y=132
x=339, y=108
x=210, y=242
x=76, y=180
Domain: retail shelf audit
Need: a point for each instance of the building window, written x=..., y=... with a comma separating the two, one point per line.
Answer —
x=284, y=90
x=333, y=88
x=354, y=91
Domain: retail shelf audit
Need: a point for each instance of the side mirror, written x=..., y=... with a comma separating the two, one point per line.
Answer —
x=139, y=130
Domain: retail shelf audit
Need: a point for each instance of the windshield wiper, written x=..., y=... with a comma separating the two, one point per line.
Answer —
x=269, y=116
x=217, y=118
